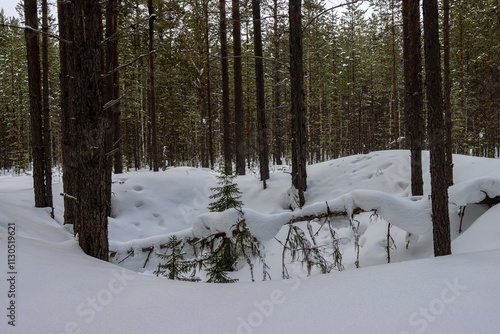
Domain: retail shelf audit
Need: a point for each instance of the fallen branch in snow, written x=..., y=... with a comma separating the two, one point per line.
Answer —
x=490, y=201
x=328, y=214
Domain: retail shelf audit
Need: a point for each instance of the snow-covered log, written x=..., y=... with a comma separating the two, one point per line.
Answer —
x=408, y=214
x=481, y=190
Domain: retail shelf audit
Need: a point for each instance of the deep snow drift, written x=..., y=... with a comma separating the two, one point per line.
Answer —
x=61, y=290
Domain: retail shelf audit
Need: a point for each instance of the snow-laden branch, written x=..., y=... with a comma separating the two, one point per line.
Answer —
x=480, y=190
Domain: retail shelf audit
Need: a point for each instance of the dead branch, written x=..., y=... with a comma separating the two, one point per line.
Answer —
x=35, y=30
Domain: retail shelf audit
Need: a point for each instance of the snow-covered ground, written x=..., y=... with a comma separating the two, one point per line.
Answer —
x=58, y=289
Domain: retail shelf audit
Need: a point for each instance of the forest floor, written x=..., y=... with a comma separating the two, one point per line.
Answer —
x=51, y=286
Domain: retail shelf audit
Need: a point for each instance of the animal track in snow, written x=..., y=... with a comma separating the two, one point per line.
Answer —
x=138, y=187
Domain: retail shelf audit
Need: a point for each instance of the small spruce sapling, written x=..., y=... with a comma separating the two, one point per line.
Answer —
x=227, y=194
x=176, y=266
x=217, y=273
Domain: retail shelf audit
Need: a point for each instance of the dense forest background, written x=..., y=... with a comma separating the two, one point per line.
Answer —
x=353, y=83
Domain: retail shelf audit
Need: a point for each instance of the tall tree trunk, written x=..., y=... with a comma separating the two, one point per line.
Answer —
x=394, y=79
x=34, y=82
x=276, y=87
x=492, y=132
x=239, y=117
x=447, y=93
x=69, y=155
x=117, y=135
x=226, y=112
x=152, y=87
x=108, y=95
x=206, y=37
x=299, y=148
x=47, y=142
x=413, y=91
x=90, y=129
x=439, y=188
x=261, y=102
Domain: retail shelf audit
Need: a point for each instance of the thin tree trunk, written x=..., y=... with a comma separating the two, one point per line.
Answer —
x=439, y=189
x=447, y=93
x=276, y=87
x=69, y=155
x=47, y=142
x=413, y=90
x=394, y=80
x=211, y=154
x=152, y=87
x=492, y=132
x=117, y=135
x=34, y=82
x=261, y=102
x=239, y=117
x=226, y=112
x=299, y=149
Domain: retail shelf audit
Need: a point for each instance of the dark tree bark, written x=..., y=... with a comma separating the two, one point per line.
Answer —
x=261, y=102
x=413, y=91
x=299, y=147
x=206, y=37
x=394, y=81
x=152, y=87
x=90, y=129
x=108, y=95
x=69, y=154
x=226, y=112
x=117, y=135
x=276, y=87
x=447, y=92
x=47, y=142
x=34, y=82
x=439, y=188
x=239, y=116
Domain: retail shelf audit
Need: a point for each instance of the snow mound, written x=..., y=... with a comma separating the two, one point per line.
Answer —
x=262, y=226
x=474, y=191
x=413, y=216
x=485, y=229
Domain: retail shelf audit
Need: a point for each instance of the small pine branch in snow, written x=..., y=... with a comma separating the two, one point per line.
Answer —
x=176, y=266
x=301, y=249
x=217, y=272
x=336, y=253
x=227, y=195
x=222, y=253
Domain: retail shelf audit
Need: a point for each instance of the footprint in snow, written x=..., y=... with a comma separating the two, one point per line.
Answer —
x=138, y=187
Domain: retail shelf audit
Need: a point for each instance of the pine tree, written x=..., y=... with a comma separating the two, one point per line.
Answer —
x=227, y=194
x=175, y=266
x=217, y=273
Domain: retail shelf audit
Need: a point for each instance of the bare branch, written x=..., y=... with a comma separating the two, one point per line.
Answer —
x=35, y=30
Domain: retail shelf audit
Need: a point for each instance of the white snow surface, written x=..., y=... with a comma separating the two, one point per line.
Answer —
x=474, y=191
x=59, y=289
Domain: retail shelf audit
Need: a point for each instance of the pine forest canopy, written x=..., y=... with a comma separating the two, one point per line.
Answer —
x=163, y=89
x=348, y=81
